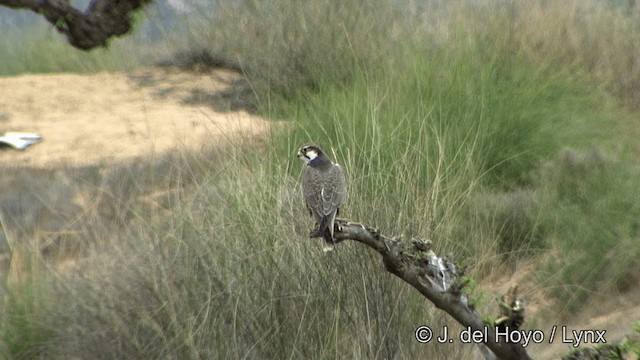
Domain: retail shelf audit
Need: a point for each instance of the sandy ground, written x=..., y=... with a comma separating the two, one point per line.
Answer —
x=103, y=117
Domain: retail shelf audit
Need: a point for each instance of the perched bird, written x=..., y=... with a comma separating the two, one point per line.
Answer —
x=324, y=188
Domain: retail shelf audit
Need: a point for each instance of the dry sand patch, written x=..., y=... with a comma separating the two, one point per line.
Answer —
x=98, y=118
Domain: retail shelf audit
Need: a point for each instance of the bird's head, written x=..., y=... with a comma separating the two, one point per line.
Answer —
x=309, y=152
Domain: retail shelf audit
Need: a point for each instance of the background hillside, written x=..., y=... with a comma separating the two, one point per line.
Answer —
x=162, y=216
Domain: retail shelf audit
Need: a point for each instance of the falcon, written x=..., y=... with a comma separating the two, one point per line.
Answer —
x=324, y=188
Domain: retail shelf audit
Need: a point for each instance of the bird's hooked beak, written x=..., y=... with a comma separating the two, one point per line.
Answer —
x=302, y=156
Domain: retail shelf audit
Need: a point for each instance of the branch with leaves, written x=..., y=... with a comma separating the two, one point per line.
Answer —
x=102, y=20
x=440, y=281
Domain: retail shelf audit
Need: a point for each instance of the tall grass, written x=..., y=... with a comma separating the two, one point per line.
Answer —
x=219, y=266
x=448, y=129
x=597, y=39
x=285, y=47
x=592, y=207
x=38, y=48
x=42, y=51
x=492, y=90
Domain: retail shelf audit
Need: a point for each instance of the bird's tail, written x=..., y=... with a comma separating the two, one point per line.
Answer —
x=325, y=230
x=328, y=244
x=328, y=221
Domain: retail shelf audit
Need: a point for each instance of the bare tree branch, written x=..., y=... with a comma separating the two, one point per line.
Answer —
x=435, y=278
x=94, y=27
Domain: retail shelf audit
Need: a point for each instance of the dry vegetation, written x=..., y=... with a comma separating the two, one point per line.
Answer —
x=141, y=112
x=502, y=130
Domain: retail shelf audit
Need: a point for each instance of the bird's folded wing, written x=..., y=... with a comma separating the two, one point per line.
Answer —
x=334, y=191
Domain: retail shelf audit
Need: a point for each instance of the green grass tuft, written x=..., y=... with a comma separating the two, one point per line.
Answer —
x=592, y=206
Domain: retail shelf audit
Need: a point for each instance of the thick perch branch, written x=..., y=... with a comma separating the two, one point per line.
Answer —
x=433, y=277
x=102, y=20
